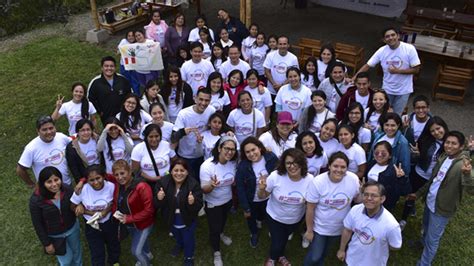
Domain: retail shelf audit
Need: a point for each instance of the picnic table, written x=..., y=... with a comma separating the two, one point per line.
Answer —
x=438, y=15
x=434, y=47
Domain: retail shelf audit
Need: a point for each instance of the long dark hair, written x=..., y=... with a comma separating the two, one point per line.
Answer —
x=166, y=90
x=108, y=139
x=298, y=157
x=385, y=107
x=135, y=114
x=276, y=136
x=254, y=44
x=219, y=144
x=150, y=128
x=306, y=74
x=209, y=40
x=233, y=72
x=333, y=57
x=44, y=175
x=149, y=85
x=426, y=140
x=311, y=111
x=84, y=101
x=318, y=150
x=224, y=128
x=251, y=140
x=83, y=122
x=360, y=123
x=216, y=75
x=223, y=56
x=348, y=128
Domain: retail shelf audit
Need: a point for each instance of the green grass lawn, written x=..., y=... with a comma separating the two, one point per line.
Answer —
x=30, y=79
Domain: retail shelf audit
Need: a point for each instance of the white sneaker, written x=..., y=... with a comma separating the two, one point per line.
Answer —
x=259, y=224
x=290, y=237
x=305, y=242
x=218, y=259
x=226, y=239
x=170, y=234
x=201, y=212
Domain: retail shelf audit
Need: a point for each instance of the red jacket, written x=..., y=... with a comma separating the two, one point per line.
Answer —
x=346, y=100
x=233, y=96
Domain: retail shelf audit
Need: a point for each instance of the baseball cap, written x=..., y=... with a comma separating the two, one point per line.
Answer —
x=285, y=118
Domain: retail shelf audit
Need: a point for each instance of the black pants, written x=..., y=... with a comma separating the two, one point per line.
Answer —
x=279, y=234
x=416, y=182
x=97, y=240
x=216, y=219
x=257, y=212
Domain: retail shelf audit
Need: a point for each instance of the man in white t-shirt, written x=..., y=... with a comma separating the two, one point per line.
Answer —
x=196, y=70
x=374, y=230
x=189, y=125
x=234, y=62
x=399, y=61
x=277, y=63
x=47, y=149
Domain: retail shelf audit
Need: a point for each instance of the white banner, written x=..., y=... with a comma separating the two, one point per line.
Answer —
x=142, y=56
x=384, y=8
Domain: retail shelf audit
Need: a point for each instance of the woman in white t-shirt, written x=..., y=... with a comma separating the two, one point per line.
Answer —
x=176, y=93
x=114, y=143
x=354, y=118
x=309, y=74
x=219, y=98
x=158, y=114
x=377, y=108
x=315, y=155
x=95, y=203
x=286, y=188
x=335, y=85
x=314, y=115
x=133, y=117
x=257, y=55
x=207, y=41
x=76, y=109
x=355, y=153
x=151, y=95
x=201, y=22
x=152, y=157
x=327, y=137
x=217, y=176
x=143, y=76
x=261, y=101
x=280, y=137
x=82, y=151
x=327, y=56
x=216, y=129
x=329, y=199
x=224, y=39
x=246, y=121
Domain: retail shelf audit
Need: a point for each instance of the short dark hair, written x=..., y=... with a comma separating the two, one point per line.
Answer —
x=371, y=183
x=338, y=155
x=348, y=128
x=421, y=98
x=219, y=144
x=283, y=36
x=204, y=90
x=319, y=93
x=234, y=46
x=195, y=45
x=457, y=134
x=83, y=122
x=387, y=146
x=389, y=28
x=44, y=175
x=107, y=58
x=388, y=116
x=297, y=70
x=299, y=158
x=362, y=75
x=252, y=72
x=180, y=161
x=99, y=169
x=251, y=140
x=233, y=72
x=44, y=119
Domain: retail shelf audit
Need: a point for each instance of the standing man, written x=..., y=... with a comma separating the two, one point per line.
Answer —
x=361, y=93
x=399, y=61
x=196, y=71
x=277, y=63
x=236, y=29
x=374, y=230
x=234, y=62
x=107, y=91
x=47, y=149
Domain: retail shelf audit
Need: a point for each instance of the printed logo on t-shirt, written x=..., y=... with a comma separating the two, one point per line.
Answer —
x=75, y=117
x=201, y=126
x=313, y=170
x=99, y=205
x=198, y=75
x=226, y=180
x=244, y=130
x=257, y=104
x=217, y=105
x=365, y=235
x=160, y=163
x=315, y=127
x=294, y=103
x=294, y=197
x=118, y=153
x=56, y=157
x=395, y=61
x=338, y=201
x=91, y=156
x=281, y=68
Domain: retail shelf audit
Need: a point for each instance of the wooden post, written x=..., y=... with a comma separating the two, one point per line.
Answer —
x=248, y=13
x=95, y=18
x=242, y=10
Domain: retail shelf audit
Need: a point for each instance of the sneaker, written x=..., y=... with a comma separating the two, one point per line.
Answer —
x=253, y=240
x=305, y=242
x=175, y=251
x=269, y=262
x=149, y=256
x=259, y=224
x=290, y=237
x=201, y=212
x=170, y=234
x=402, y=224
x=226, y=240
x=284, y=261
x=218, y=259
x=188, y=261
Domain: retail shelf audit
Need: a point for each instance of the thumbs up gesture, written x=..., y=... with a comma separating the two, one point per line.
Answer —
x=161, y=194
x=214, y=181
x=399, y=170
x=466, y=166
x=190, y=198
x=414, y=148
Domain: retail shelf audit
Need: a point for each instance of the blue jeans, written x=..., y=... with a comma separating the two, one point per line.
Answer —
x=318, y=249
x=107, y=236
x=186, y=238
x=140, y=247
x=433, y=229
x=398, y=102
x=257, y=212
x=73, y=254
x=279, y=237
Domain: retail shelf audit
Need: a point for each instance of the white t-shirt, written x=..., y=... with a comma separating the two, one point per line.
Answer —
x=188, y=145
x=217, y=63
x=257, y=57
x=206, y=52
x=39, y=154
x=244, y=125
x=321, y=70
x=194, y=35
x=330, y=146
x=364, y=135
x=196, y=74
x=356, y=156
x=208, y=143
x=271, y=145
x=364, y=100
x=373, y=119
x=293, y=101
x=227, y=67
x=173, y=108
x=73, y=113
x=225, y=174
x=332, y=96
x=388, y=139
x=434, y=187
x=403, y=57
x=259, y=170
x=219, y=102
x=226, y=44
x=278, y=65
x=315, y=163
x=372, y=237
x=333, y=202
x=95, y=200
x=162, y=156
x=118, y=150
x=247, y=44
x=89, y=150
x=260, y=101
x=166, y=130
x=145, y=119
x=434, y=158
x=287, y=203
x=374, y=172
x=319, y=120
x=308, y=83
x=417, y=127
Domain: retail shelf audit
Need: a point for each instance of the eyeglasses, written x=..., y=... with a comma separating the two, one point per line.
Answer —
x=370, y=196
x=381, y=153
x=289, y=164
x=227, y=149
x=131, y=102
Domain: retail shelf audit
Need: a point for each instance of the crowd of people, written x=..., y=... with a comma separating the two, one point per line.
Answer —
x=233, y=121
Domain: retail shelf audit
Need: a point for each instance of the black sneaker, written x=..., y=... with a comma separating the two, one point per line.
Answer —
x=188, y=261
x=175, y=251
x=253, y=240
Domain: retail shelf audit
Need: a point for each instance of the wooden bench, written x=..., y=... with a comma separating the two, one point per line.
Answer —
x=451, y=83
x=123, y=23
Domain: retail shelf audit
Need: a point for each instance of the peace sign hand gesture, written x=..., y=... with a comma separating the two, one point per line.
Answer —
x=399, y=170
x=59, y=101
x=214, y=181
x=190, y=198
x=161, y=194
x=414, y=148
x=466, y=166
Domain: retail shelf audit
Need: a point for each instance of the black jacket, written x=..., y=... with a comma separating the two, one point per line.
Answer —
x=107, y=100
x=76, y=164
x=170, y=203
x=47, y=219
